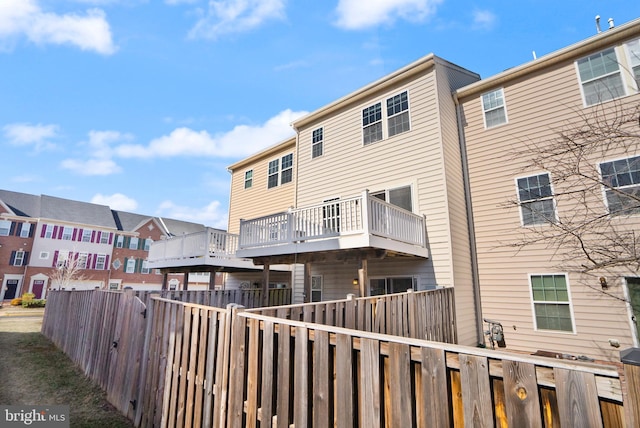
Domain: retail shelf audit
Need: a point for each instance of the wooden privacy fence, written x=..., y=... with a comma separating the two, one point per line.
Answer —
x=213, y=367
x=428, y=315
x=249, y=298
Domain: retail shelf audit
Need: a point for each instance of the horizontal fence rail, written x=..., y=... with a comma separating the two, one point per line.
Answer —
x=190, y=365
x=249, y=298
x=428, y=315
x=210, y=243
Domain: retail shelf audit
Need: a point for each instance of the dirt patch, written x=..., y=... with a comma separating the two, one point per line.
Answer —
x=34, y=372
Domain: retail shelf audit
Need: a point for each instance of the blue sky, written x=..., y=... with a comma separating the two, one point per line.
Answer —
x=142, y=104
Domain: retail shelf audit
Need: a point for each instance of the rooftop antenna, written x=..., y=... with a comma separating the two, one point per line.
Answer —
x=598, y=23
x=534, y=55
x=611, y=25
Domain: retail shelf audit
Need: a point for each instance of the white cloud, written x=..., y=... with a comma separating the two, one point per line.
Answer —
x=242, y=140
x=25, y=134
x=177, y=2
x=236, y=16
x=209, y=215
x=91, y=166
x=90, y=31
x=117, y=201
x=358, y=14
x=101, y=153
x=483, y=19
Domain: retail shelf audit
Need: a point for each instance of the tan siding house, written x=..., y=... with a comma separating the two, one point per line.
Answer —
x=250, y=195
x=393, y=141
x=505, y=119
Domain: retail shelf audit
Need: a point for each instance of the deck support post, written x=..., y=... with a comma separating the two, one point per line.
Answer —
x=265, y=285
x=185, y=279
x=307, y=282
x=363, y=274
x=165, y=280
x=212, y=280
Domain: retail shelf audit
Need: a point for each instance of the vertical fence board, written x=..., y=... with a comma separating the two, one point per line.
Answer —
x=301, y=379
x=476, y=391
x=344, y=414
x=434, y=377
x=577, y=398
x=369, y=388
x=521, y=394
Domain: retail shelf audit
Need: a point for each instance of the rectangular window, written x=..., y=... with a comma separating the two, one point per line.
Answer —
x=600, y=77
x=67, y=233
x=49, y=231
x=104, y=237
x=133, y=243
x=378, y=286
x=44, y=255
x=120, y=241
x=494, y=109
x=286, y=176
x=400, y=196
x=25, y=230
x=316, y=288
x=633, y=48
x=131, y=266
x=551, y=302
x=317, y=140
x=248, y=179
x=372, y=124
x=5, y=227
x=81, y=262
x=145, y=267
x=147, y=244
x=63, y=256
x=536, y=199
x=86, y=235
x=272, y=177
x=621, y=179
x=398, y=114
x=19, y=258
x=101, y=261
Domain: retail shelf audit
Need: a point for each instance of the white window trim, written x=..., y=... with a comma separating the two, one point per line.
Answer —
x=48, y=232
x=144, y=269
x=504, y=106
x=132, y=240
x=245, y=178
x=629, y=59
x=552, y=197
x=21, y=254
x=86, y=233
x=98, y=263
x=85, y=257
x=280, y=170
x=411, y=186
x=104, y=237
x=321, y=142
x=384, y=118
x=64, y=233
x=8, y=229
x=44, y=255
x=569, y=302
x=605, y=188
x=126, y=267
x=22, y=230
x=120, y=241
x=624, y=75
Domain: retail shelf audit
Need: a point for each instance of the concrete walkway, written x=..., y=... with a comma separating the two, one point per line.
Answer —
x=18, y=311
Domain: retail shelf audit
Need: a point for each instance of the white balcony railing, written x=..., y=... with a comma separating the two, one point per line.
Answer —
x=210, y=244
x=364, y=214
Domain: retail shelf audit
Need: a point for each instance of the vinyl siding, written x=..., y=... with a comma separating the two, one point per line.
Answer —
x=538, y=106
x=258, y=201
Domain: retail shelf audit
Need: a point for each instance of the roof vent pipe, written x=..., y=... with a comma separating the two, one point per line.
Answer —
x=598, y=24
x=611, y=25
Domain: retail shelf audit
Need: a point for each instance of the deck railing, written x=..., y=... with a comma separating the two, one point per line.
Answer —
x=358, y=215
x=210, y=243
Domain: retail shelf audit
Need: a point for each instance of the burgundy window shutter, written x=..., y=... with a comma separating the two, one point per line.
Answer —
x=44, y=230
x=93, y=236
x=110, y=238
x=93, y=262
x=74, y=236
x=54, y=235
x=106, y=262
x=90, y=257
x=60, y=232
x=55, y=258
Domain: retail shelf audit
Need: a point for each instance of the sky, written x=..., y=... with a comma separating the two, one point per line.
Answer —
x=143, y=104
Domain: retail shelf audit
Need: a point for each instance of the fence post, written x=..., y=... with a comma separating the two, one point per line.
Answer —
x=144, y=363
x=223, y=397
x=631, y=386
x=350, y=311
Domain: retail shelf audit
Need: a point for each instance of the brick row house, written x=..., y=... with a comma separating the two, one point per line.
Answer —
x=42, y=236
x=432, y=177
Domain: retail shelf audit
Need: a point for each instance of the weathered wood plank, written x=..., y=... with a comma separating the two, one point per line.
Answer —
x=252, y=374
x=322, y=379
x=434, y=401
x=577, y=399
x=476, y=391
x=400, y=385
x=301, y=379
x=284, y=376
x=344, y=416
x=369, y=398
x=521, y=394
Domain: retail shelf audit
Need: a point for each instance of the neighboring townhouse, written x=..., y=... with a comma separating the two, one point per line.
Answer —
x=42, y=237
x=554, y=175
x=379, y=203
x=260, y=184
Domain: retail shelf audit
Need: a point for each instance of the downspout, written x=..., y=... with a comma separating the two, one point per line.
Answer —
x=470, y=226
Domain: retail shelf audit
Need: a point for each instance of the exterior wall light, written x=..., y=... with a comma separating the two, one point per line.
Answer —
x=603, y=283
x=355, y=281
